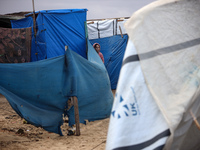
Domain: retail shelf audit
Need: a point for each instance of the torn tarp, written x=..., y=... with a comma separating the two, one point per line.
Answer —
x=38, y=91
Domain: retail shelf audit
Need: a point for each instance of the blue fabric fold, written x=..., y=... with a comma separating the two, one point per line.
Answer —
x=39, y=91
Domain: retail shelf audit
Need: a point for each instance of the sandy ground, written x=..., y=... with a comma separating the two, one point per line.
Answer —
x=15, y=134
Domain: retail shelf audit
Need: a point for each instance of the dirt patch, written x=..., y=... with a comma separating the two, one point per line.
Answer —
x=15, y=133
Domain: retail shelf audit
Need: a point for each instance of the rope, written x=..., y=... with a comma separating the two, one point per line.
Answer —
x=98, y=145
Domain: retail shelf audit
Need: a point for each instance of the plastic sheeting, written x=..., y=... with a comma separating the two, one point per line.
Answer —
x=113, y=49
x=135, y=122
x=166, y=36
x=55, y=29
x=38, y=91
x=22, y=23
x=105, y=28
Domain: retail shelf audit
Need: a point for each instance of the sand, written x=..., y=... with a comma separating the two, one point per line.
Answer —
x=15, y=134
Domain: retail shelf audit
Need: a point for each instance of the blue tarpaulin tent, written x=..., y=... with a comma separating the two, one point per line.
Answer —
x=112, y=37
x=113, y=49
x=22, y=23
x=55, y=29
x=38, y=91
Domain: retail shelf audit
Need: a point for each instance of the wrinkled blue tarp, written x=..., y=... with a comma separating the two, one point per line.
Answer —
x=55, y=29
x=38, y=91
x=113, y=49
x=22, y=23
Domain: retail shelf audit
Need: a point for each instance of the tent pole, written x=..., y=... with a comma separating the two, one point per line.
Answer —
x=121, y=31
x=34, y=26
x=195, y=120
x=76, y=114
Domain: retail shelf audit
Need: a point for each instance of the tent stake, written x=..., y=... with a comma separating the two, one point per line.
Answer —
x=76, y=114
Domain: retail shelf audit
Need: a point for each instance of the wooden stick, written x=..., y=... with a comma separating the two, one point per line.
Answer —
x=34, y=26
x=76, y=114
x=90, y=22
x=121, y=31
x=120, y=20
x=107, y=19
x=195, y=120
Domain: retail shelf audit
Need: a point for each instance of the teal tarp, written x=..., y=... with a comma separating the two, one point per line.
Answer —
x=38, y=91
x=57, y=28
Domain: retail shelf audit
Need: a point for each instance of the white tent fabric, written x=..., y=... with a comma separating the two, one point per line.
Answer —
x=105, y=28
x=136, y=121
x=166, y=37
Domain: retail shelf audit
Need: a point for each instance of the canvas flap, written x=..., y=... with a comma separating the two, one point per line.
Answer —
x=167, y=39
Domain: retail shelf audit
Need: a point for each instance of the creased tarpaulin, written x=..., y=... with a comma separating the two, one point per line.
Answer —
x=22, y=23
x=105, y=28
x=55, y=29
x=113, y=49
x=15, y=45
x=38, y=91
x=166, y=37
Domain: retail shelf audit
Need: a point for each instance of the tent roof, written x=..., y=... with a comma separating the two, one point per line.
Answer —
x=5, y=20
x=59, y=11
x=10, y=17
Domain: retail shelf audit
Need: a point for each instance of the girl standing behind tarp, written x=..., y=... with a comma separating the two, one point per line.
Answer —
x=97, y=48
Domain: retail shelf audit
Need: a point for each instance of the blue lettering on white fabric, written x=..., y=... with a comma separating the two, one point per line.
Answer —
x=126, y=108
